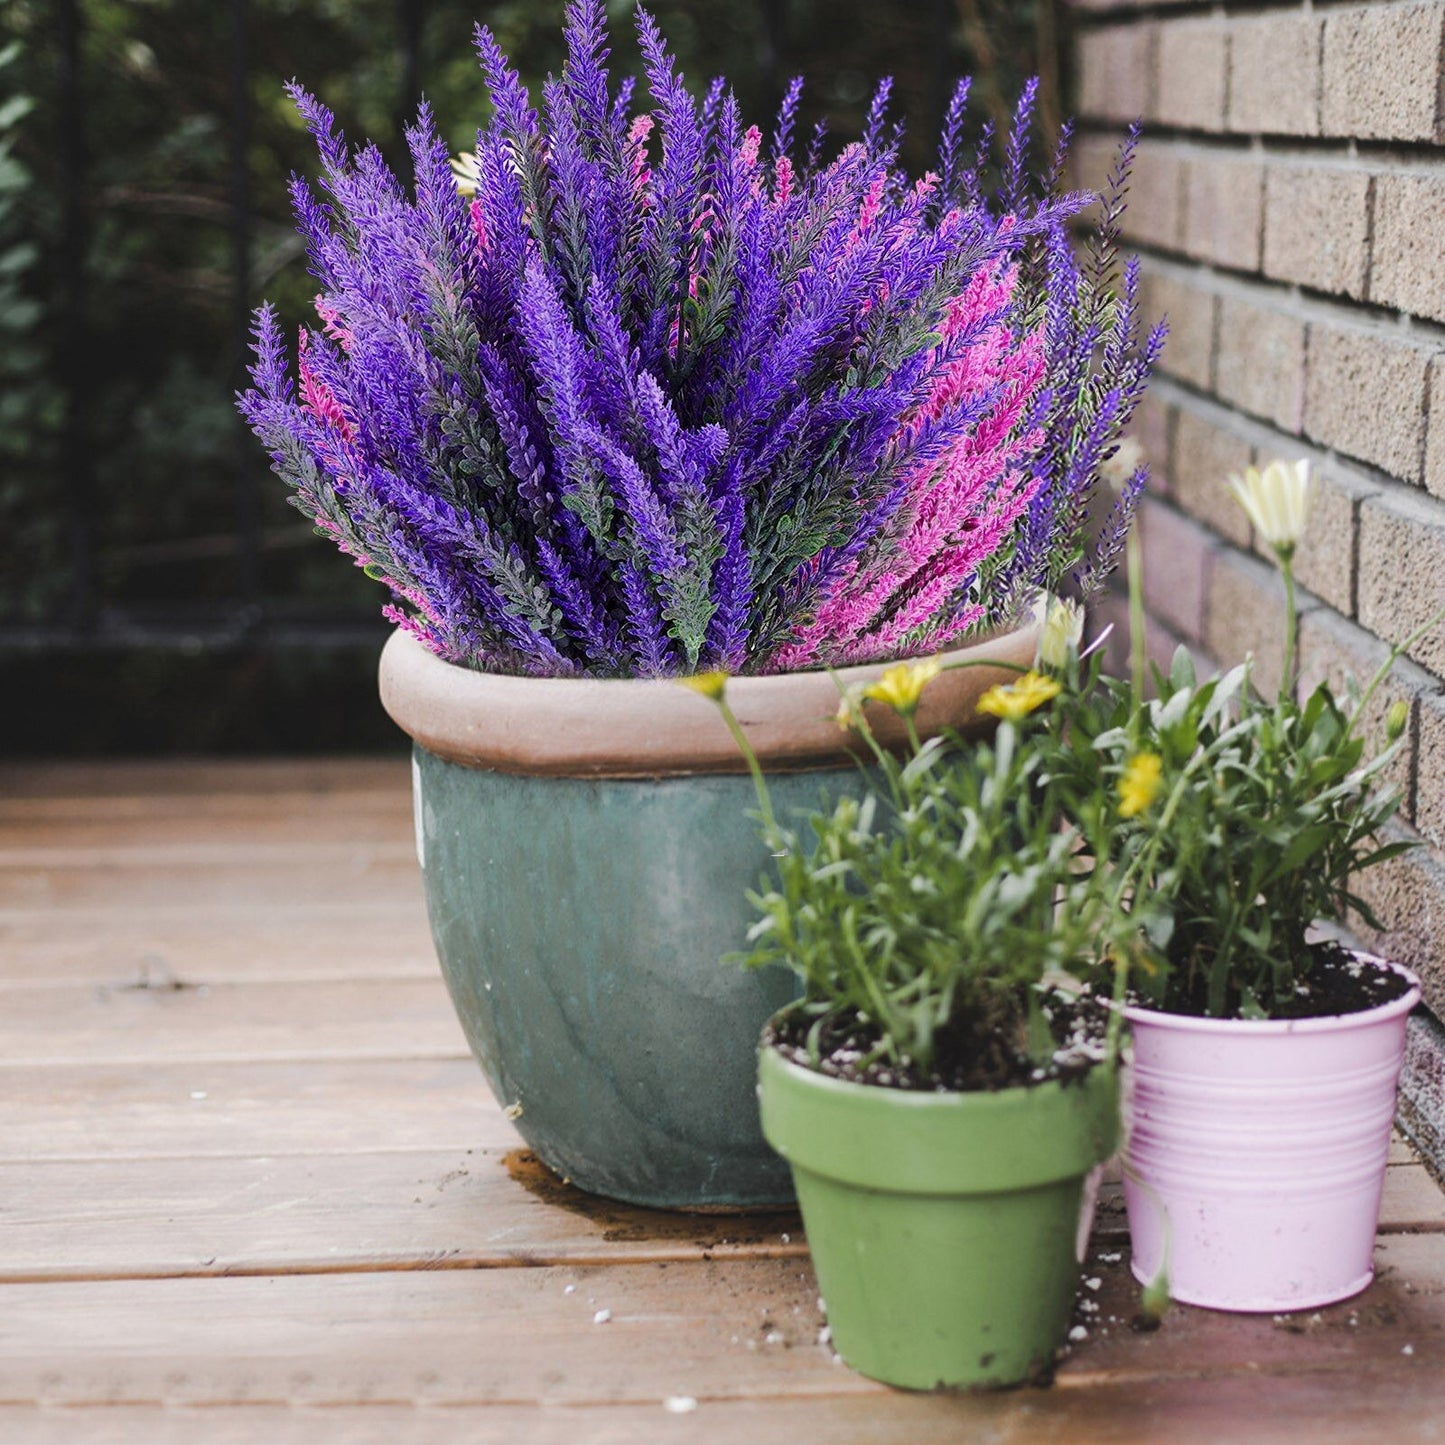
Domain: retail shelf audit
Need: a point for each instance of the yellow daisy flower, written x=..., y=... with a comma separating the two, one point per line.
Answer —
x=1139, y=785
x=902, y=685
x=1015, y=700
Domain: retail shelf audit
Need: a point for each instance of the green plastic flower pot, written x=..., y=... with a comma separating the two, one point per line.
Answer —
x=587, y=847
x=946, y=1229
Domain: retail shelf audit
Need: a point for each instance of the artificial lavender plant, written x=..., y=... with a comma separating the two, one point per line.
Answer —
x=636, y=396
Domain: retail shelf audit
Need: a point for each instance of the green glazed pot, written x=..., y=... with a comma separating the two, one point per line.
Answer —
x=946, y=1229
x=586, y=849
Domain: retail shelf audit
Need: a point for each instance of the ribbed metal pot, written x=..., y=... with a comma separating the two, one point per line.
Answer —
x=1256, y=1152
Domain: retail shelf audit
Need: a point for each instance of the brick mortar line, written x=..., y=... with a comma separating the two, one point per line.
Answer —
x=1262, y=434
x=1411, y=796
x=1152, y=12
x=1147, y=12
x=1191, y=144
x=1303, y=303
x=1327, y=152
x=1367, y=282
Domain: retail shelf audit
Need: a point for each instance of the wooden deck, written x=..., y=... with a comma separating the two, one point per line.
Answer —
x=252, y=1187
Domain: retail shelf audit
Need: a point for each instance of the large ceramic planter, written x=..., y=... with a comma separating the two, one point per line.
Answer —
x=1256, y=1152
x=586, y=849
x=946, y=1229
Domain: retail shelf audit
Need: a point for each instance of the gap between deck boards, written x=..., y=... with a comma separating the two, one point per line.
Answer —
x=720, y=1329
x=474, y=1208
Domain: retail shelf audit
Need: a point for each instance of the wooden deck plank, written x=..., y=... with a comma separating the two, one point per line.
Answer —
x=457, y=1208
x=453, y=1209
x=205, y=1108
x=455, y=1336
x=114, y=947
x=361, y=1018
x=119, y=816
x=222, y=876
x=1399, y=1318
x=304, y=1113
x=715, y=1330
x=205, y=777
x=1402, y=1404
x=187, y=840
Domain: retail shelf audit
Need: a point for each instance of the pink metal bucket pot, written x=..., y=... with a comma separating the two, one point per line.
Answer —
x=1255, y=1152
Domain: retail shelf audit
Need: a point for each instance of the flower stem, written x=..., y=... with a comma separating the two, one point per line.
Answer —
x=765, y=802
x=1396, y=652
x=1291, y=624
x=1138, y=644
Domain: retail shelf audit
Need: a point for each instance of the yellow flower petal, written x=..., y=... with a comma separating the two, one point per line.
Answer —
x=1015, y=700
x=1139, y=784
x=902, y=684
x=708, y=684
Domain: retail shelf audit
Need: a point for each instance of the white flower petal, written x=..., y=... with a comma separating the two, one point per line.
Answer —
x=1276, y=501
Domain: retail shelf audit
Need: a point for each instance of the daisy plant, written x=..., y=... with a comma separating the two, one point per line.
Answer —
x=634, y=388
x=939, y=922
x=1247, y=818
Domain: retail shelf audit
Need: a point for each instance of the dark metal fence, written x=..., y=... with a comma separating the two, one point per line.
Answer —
x=87, y=618
x=243, y=613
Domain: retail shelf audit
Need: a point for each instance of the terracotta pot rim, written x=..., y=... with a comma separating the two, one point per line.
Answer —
x=1260, y=1028
x=651, y=727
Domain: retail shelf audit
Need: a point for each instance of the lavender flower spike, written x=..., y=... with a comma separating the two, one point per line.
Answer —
x=655, y=393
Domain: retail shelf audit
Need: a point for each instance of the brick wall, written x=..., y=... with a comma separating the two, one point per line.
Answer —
x=1288, y=206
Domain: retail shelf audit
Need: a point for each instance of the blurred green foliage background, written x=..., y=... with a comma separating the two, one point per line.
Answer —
x=132, y=616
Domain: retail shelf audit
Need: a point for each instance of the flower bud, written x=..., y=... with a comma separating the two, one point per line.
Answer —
x=708, y=684
x=1063, y=628
x=1154, y=1298
x=1396, y=719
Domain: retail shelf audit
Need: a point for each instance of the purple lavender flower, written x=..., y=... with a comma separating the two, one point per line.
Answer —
x=646, y=400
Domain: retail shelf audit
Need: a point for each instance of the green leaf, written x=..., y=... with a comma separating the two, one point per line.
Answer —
x=1250, y=1006
x=16, y=259
x=1304, y=844
x=1041, y=1039
x=1181, y=669
x=14, y=110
